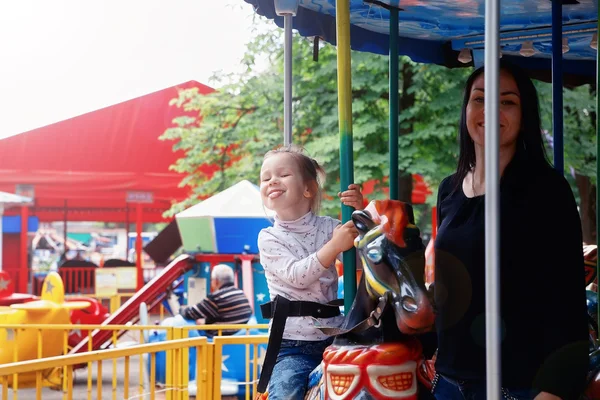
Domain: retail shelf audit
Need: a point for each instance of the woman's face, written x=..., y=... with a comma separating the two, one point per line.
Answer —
x=509, y=111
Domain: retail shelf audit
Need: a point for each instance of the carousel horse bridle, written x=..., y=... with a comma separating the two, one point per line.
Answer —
x=392, y=255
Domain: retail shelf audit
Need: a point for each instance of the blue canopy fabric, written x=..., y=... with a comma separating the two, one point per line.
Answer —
x=435, y=31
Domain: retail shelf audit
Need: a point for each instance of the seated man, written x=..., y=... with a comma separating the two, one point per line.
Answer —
x=226, y=304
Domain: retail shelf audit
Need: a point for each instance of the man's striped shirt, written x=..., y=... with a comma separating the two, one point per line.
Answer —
x=228, y=305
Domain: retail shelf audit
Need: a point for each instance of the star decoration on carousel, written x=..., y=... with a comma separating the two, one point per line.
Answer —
x=49, y=287
x=260, y=296
x=4, y=284
x=77, y=331
x=223, y=367
x=260, y=360
x=207, y=269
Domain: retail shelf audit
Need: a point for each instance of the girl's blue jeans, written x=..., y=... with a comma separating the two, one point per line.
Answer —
x=450, y=389
x=295, y=361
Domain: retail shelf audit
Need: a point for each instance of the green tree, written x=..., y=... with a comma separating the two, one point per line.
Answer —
x=233, y=127
x=228, y=127
x=244, y=118
x=579, y=147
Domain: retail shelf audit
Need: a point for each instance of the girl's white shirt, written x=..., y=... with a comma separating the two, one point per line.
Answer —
x=288, y=253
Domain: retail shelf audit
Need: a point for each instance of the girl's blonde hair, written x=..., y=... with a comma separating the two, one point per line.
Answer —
x=312, y=173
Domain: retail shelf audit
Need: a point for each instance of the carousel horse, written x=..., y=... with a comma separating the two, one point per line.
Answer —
x=374, y=355
x=590, y=257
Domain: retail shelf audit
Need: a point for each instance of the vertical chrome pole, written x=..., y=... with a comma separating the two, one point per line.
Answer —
x=287, y=9
x=492, y=200
x=394, y=106
x=287, y=80
x=597, y=148
x=557, y=87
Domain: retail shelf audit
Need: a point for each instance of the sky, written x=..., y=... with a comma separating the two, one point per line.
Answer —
x=63, y=58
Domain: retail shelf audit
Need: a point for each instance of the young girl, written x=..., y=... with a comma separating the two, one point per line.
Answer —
x=298, y=254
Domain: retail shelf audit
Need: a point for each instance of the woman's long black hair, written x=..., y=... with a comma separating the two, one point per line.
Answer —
x=529, y=140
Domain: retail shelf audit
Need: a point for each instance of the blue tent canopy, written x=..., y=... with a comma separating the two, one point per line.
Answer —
x=435, y=31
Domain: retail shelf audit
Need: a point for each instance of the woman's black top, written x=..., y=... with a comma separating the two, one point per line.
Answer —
x=543, y=309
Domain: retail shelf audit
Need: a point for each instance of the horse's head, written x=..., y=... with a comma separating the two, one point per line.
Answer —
x=393, y=259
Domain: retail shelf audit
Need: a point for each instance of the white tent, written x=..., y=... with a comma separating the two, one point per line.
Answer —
x=227, y=222
x=241, y=200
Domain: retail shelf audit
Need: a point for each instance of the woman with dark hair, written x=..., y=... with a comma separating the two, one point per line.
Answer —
x=542, y=297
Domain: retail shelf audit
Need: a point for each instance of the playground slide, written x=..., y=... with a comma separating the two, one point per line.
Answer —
x=151, y=294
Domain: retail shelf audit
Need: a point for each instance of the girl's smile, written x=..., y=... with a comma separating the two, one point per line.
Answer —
x=282, y=187
x=273, y=194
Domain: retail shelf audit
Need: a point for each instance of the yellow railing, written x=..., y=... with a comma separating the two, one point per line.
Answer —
x=177, y=390
x=172, y=333
x=218, y=343
x=15, y=329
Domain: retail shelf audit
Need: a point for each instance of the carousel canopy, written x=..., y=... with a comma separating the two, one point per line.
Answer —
x=436, y=31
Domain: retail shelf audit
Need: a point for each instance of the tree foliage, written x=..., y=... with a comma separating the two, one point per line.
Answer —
x=234, y=126
x=578, y=126
x=579, y=132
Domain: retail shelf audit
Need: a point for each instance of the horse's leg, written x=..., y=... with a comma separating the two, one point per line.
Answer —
x=316, y=387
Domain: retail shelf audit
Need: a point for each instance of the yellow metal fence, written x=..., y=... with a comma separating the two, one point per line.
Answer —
x=178, y=388
x=57, y=371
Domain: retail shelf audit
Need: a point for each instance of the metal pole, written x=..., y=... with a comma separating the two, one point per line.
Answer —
x=342, y=11
x=598, y=151
x=394, y=109
x=66, y=210
x=557, y=86
x=138, y=245
x=24, y=264
x=127, y=231
x=492, y=200
x=287, y=80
